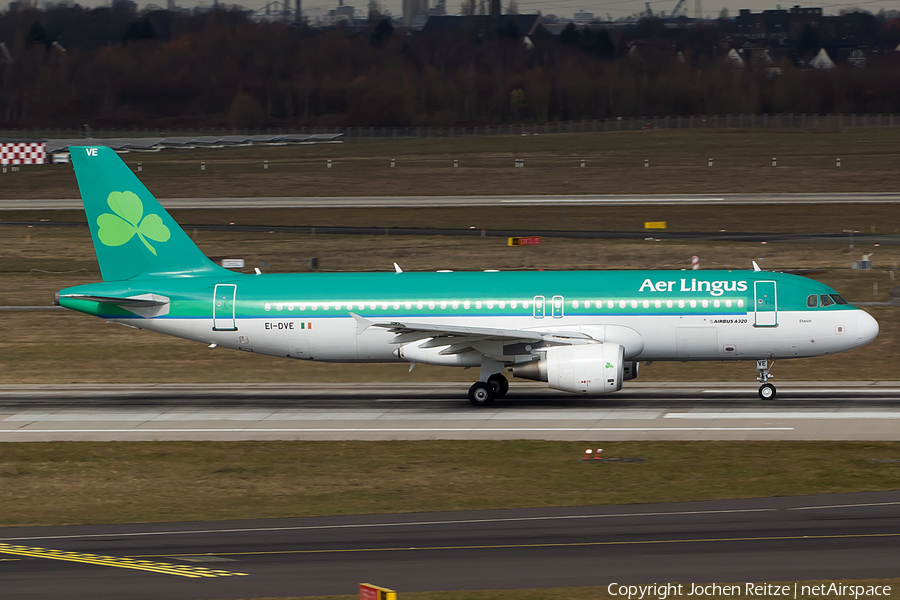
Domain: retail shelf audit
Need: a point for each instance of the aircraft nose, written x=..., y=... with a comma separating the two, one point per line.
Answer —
x=866, y=328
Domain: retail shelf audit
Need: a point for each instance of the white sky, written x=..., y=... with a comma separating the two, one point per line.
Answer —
x=616, y=8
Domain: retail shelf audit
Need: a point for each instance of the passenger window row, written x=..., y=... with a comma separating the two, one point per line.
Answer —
x=490, y=304
x=659, y=303
x=419, y=305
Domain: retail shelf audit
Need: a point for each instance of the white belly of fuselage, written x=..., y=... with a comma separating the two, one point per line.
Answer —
x=728, y=337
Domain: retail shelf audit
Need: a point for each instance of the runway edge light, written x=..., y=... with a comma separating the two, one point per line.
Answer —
x=367, y=591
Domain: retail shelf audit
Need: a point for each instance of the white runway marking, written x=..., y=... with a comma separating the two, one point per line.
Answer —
x=843, y=506
x=393, y=429
x=837, y=414
x=852, y=411
x=620, y=200
x=805, y=391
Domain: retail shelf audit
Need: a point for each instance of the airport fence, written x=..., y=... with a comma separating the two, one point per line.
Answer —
x=740, y=121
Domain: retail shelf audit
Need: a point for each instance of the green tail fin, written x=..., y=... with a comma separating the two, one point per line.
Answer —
x=133, y=234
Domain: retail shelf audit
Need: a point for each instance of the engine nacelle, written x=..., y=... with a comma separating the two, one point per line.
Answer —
x=583, y=369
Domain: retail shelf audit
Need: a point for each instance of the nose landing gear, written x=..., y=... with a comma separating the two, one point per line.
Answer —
x=766, y=390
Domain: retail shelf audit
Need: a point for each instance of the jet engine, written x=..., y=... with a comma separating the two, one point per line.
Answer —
x=584, y=369
x=630, y=370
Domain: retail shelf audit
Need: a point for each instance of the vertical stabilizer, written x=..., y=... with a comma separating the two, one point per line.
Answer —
x=132, y=233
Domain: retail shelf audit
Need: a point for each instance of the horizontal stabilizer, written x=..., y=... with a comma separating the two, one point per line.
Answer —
x=146, y=300
x=143, y=305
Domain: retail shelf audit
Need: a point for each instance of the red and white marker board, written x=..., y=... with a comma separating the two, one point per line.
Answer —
x=524, y=241
x=23, y=153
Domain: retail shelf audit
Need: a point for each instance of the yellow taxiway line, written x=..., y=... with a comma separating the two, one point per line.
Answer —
x=112, y=561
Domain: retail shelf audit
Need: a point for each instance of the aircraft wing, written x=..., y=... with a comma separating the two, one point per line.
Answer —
x=414, y=330
x=487, y=340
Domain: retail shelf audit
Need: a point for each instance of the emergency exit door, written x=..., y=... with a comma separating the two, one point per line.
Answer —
x=766, y=304
x=223, y=307
x=558, y=309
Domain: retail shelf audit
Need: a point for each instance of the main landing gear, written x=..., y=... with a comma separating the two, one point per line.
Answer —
x=484, y=393
x=766, y=390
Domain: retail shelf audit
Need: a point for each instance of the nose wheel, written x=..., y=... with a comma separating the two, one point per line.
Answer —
x=767, y=391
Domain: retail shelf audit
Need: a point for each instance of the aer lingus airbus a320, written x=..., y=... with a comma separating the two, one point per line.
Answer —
x=580, y=331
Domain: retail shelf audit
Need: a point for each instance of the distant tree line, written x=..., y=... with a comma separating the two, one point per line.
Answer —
x=68, y=66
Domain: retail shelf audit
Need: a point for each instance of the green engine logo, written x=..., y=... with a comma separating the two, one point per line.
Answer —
x=129, y=221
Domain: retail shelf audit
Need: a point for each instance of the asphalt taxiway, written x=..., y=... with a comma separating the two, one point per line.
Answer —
x=468, y=201
x=721, y=236
x=768, y=539
x=641, y=411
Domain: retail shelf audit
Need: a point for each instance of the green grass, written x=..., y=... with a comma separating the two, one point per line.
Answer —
x=601, y=593
x=122, y=482
x=615, y=164
x=780, y=218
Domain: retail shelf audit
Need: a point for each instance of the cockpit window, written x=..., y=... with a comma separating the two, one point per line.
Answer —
x=826, y=300
x=837, y=298
x=812, y=301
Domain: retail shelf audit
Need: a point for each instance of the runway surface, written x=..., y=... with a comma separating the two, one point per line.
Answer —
x=641, y=411
x=451, y=201
x=770, y=539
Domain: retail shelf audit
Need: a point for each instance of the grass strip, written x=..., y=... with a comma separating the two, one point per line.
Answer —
x=614, y=164
x=125, y=482
x=602, y=593
x=714, y=218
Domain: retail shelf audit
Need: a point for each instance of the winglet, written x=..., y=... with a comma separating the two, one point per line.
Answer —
x=755, y=266
x=362, y=323
x=397, y=268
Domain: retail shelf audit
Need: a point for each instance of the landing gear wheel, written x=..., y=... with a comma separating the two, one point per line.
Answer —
x=500, y=383
x=481, y=394
x=767, y=391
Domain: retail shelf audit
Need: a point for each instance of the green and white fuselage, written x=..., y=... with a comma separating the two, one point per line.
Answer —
x=311, y=315
x=588, y=327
